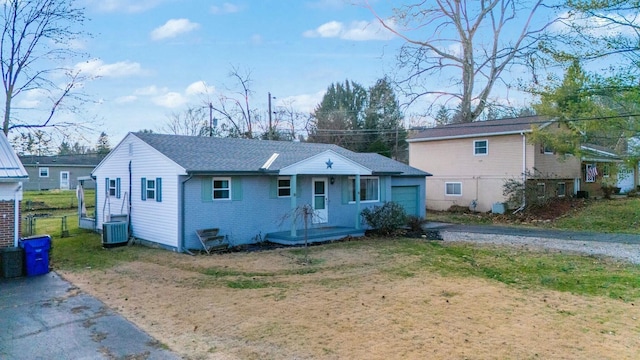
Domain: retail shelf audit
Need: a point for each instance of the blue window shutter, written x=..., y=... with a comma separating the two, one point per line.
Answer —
x=207, y=189
x=159, y=189
x=383, y=188
x=298, y=187
x=106, y=186
x=118, y=188
x=273, y=187
x=143, y=191
x=236, y=189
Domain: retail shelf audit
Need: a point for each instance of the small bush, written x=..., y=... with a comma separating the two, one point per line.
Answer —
x=387, y=218
x=415, y=223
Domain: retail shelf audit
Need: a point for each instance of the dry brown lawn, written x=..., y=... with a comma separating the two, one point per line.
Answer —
x=352, y=302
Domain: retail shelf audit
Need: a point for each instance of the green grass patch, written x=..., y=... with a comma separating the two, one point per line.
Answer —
x=55, y=199
x=250, y=284
x=610, y=216
x=83, y=250
x=578, y=274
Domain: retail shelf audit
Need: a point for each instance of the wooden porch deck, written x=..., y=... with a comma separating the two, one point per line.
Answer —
x=314, y=235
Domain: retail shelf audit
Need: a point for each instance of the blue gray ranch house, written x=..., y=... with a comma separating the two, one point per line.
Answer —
x=170, y=186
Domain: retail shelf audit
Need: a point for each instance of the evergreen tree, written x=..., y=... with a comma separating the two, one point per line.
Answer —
x=340, y=116
x=103, y=147
x=385, y=132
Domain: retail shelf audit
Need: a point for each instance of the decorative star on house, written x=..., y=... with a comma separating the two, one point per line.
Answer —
x=329, y=164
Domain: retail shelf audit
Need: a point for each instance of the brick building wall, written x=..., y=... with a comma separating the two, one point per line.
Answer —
x=7, y=216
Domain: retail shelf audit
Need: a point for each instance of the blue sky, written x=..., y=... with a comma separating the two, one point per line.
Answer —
x=158, y=57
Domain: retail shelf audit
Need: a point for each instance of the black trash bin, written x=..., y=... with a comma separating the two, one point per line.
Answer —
x=12, y=262
x=36, y=254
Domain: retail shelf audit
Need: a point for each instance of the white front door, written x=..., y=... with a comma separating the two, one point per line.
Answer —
x=320, y=200
x=64, y=180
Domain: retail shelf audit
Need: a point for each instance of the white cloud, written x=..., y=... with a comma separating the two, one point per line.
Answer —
x=356, y=30
x=226, y=8
x=199, y=88
x=304, y=103
x=97, y=68
x=170, y=100
x=173, y=28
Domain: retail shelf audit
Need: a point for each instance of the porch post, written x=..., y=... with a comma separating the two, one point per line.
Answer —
x=294, y=205
x=357, y=201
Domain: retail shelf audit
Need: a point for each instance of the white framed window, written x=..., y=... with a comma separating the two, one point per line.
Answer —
x=284, y=187
x=221, y=188
x=112, y=187
x=480, y=147
x=453, y=188
x=151, y=189
x=540, y=190
x=43, y=172
x=562, y=189
x=606, y=170
x=369, y=189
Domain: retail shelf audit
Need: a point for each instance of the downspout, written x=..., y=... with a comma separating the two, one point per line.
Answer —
x=357, y=201
x=524, y=174
x=129, y=209
x=294, y=203
x=183, y=233
x=16, y=214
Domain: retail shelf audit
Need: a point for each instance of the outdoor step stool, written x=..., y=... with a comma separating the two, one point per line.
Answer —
x=211, y=241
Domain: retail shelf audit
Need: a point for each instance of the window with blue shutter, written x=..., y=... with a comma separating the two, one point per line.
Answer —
x=159, y=189
x=143, y=190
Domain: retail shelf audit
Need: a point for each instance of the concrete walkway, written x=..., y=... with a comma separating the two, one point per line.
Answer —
x=46, y=317
x=536, y=232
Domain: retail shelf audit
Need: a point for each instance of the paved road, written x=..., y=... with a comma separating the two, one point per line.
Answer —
x=46, y=317
x=536, y=232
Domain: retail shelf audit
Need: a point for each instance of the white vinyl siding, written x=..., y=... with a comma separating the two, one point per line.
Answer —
x=151, y=220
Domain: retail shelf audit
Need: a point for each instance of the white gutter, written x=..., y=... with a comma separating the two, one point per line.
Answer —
x=16, y=214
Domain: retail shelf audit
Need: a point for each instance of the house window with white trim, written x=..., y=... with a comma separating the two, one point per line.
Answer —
x=44, y=172
x=221, y=188
x=369, y=189
x=112, y=187
x=606, y=170
x=151, y=189
x=284, y=187
x=562, y=189
x=480, y=147
x=540, y=190
x=453, y=189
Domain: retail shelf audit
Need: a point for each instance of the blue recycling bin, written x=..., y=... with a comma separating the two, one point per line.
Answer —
x=36, y=254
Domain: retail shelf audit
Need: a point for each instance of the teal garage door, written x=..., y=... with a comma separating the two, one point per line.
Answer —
x=407, y=196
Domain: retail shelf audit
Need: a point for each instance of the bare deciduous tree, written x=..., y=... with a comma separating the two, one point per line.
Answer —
x=36, y=35
x=192, y=122
x=236, y=108
x=471, y=41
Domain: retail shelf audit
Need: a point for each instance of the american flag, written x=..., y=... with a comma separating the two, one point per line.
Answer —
x=592, y=172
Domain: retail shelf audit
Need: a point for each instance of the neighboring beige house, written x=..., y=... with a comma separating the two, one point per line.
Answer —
x=471, y=162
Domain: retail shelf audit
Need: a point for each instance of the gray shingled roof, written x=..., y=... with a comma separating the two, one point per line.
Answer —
x=89, y=160
x=481, y=128
x=199, y=154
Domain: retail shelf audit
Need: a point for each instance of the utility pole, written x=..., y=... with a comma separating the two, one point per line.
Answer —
x=210, y=120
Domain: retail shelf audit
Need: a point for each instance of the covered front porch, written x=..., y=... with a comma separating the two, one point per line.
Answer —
x=313, y=235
